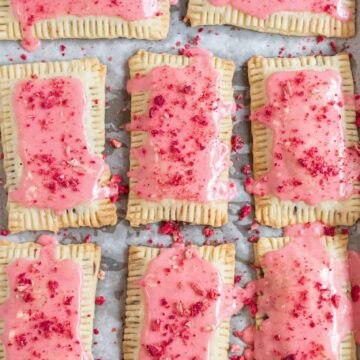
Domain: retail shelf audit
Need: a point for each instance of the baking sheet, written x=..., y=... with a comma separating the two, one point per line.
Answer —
x=227, y=42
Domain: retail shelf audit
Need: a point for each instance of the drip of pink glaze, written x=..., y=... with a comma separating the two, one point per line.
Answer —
x=248, y=334
x=303, y=296
x=29, y=12
x=354, y=266
x=249, y=354
x=41, y=313
x=186, y=301
x=265, y=8
x=49, y=243
x=59, y=172
x=183, y=156
x=310, y=158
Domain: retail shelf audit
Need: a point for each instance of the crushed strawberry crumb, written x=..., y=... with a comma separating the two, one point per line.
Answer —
x=329, y=230
x=208, y=232
x=4, y=232
x=100, y=300
x=116, y=144
x=237, y=143
x=87, y=239
x=355, y=293
x=244, y=211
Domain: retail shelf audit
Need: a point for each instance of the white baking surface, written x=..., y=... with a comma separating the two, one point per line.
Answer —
x=228, y=42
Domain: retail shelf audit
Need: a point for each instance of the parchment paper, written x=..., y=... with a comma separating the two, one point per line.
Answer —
x=227, y=42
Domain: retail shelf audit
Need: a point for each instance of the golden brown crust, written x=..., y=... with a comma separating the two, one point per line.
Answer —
x=222, y=257
x=270, y=210
x=143, y=212
x=88, y=27
x=201, y=12
x=88, y=256
x=92, y=74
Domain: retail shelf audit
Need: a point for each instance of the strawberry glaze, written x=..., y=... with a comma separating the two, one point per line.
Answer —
x=310, y=158
x=29, y=12
x=41, y=313
x=265, y=8
x=186, y=301
x=354, y=265
x=59, y=172
x=183, y=156
x=303, y=294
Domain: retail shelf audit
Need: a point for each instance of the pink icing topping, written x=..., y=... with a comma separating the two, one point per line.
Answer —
x=306, y=167
x=28, y=12
x=41, y=314
x=186, y=300
x=354, y=265
x=183, y=156
x=264, y=8
x=303, y=294
x=59, y=172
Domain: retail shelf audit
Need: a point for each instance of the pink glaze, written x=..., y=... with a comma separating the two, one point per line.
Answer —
x=248, y=354
x=310, y=158
x=183, y=156
x=354, y=266
x=265, y=8
x=248, y=334
x=59, y=172
x=303, y=294
x=41, y=313
x=29, y=12
x=186, y=300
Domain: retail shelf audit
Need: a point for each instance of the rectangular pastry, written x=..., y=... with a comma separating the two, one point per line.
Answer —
x=304, y=304
x=47, y=299
x=306, y=163
x=332, y=18
x=53, y=136
x=179, y=302
x=181, y=131
x=44, y=19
